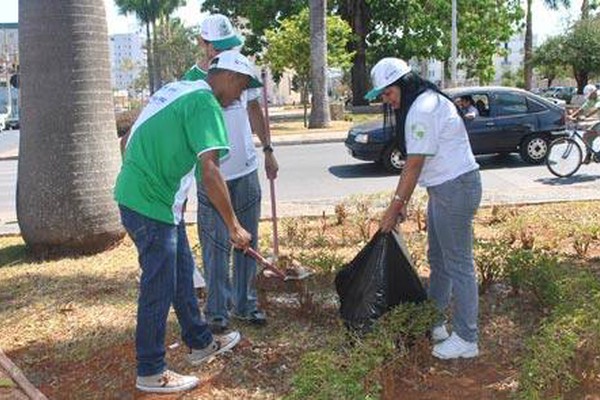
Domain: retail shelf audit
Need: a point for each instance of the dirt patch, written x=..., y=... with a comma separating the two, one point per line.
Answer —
x=68, y=324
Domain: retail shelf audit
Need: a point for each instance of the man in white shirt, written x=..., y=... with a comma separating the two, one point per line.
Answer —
x=242, y=119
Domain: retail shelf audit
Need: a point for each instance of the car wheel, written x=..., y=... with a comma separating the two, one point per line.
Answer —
x=534, y=148
x=392, y=159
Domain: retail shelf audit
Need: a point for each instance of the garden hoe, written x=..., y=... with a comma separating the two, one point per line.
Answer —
x=294, y=271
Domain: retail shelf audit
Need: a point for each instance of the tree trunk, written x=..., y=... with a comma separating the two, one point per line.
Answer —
x=156, y=56
x=585, y=9
x=319, y=111
x=582, y=78
x=527, y=67
x=68, y=153
x=149, y=59
x=356, y=13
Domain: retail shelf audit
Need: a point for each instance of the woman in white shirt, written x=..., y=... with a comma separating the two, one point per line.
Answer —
x=432, y=135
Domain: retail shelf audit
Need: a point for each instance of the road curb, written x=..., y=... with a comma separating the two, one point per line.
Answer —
x=305, y=141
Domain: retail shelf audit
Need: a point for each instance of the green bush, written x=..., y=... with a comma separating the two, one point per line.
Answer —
x=571, y=329
x=535, y=272
x=351, y=371
x=490, y=261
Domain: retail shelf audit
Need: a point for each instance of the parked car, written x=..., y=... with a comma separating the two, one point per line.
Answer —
x=510, y=120
x=561, y=92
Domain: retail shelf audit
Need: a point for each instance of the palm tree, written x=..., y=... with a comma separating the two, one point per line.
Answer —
x=68, y=155
x=319, y=112
x=149, y=12
x=528, y=67
x=143, y=12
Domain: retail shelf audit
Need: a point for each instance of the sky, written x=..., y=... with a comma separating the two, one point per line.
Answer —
x=545, y=22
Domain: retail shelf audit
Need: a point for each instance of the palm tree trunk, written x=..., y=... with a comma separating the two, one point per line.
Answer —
x=585, y=9
x=68, y=155
x=156, y=54
x=527, y=67
x=319, y=112
x=149, y=58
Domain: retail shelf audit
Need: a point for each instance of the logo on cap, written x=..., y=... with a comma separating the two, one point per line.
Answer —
x=224, y=29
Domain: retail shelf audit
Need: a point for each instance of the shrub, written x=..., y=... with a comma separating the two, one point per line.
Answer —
x=490, y=261
x=353, y=372
x=583, y=235
x=125, y=121
x=535, y=272
x=572, y=329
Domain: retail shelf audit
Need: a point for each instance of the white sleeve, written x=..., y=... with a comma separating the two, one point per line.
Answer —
x=421, y=127
x=253, y=94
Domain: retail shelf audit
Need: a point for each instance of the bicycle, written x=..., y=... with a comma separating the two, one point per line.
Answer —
x=565, y=154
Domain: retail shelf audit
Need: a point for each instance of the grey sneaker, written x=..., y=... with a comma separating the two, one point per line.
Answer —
x=455, y=347
x=166, y=382
x=256, y=317
x=220, y=344
x=218, y=326
x=439, y=333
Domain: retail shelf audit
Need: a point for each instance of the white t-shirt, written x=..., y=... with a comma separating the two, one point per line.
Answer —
x=435, y=129
x=242, y=158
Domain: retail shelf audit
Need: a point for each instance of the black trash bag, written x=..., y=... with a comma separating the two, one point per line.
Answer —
x=380, y=277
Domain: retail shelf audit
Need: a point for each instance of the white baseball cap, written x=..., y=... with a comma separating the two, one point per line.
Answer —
x=589, y=89
x=217, y=29
x=384, y=73
x=235, y=61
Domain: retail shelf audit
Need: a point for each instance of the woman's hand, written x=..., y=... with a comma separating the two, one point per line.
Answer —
x=271, y=166
x=395, y=214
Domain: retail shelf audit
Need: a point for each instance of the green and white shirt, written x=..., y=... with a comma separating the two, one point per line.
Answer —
x=181, y=121
x=435, y=129
x=194, y=74
x=591, y=104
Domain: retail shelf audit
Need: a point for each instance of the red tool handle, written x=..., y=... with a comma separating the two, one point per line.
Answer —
x=265, y=263
x=271, y=181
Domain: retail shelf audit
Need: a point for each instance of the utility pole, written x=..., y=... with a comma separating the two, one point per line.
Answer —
x=7, y=76
x=454, y=50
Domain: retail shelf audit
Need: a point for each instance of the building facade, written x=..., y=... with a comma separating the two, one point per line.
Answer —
x=127, y=59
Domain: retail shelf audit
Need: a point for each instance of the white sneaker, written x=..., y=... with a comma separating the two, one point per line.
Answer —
x=439, y=333
x=220, y=344
x=166, y=382
x=455, y=347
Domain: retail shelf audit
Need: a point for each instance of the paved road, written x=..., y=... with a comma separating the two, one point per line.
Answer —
x=315, y=177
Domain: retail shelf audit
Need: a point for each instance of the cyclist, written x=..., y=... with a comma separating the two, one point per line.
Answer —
x=589, y=110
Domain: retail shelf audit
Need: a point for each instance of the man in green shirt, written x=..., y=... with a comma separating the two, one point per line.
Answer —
x=180, y=129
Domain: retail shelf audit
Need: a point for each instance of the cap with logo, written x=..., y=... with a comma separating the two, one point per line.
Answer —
x=217, y=29
x=384, y=73
x=233, y=60
x=589, y=89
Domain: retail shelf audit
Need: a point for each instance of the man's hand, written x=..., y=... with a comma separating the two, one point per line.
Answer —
x=271, y=166
x=396, y=213
x=240, y=238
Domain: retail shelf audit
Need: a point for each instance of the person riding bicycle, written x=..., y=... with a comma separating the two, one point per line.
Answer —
x=589, y=111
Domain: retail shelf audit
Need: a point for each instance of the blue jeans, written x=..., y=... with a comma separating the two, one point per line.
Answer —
x=216, y=250
x=450, y=211
x=167, y=264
